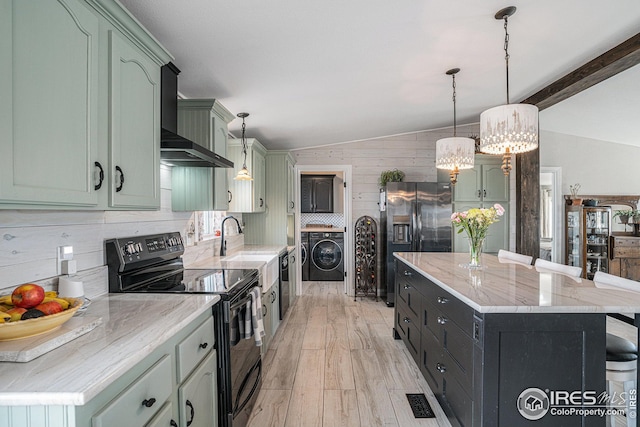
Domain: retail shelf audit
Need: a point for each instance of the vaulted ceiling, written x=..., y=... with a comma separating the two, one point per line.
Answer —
x=314, y=73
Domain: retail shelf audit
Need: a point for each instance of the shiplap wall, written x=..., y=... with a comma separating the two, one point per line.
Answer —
x=413, y=153
x=29, y=238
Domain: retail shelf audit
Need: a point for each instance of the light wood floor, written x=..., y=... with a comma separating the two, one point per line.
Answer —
x=334, y=362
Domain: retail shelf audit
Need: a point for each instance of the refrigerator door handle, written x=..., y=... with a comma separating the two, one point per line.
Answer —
x=412, y=226
x=418, y=236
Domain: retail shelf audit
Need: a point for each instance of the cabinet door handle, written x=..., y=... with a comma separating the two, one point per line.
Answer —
x=203, y=345
x=230, y=195
x=264, y=310
x=293, y=259
x=407, y=286
x=442, y=320
x=440, y=367
x=261, y=202
x=100, y=176
x=173, y=424
x=484, y=193
x=292, y=204
x=148, y=402
x=442, y=300
x=193, y=412
x=408, y=273
x=119, y=171
x=479, y=194
x=406, y=320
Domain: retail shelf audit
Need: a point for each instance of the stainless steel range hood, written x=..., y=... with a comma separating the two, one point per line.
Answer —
x=176, y=150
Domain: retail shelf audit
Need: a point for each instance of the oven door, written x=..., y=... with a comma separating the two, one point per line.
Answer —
x=246, y=364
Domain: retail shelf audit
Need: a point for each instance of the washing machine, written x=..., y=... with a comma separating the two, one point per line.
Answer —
x=326, y=256
x=304, y=253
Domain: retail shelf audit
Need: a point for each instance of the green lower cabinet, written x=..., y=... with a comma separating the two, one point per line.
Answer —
x=198, y=396
x=179, y=375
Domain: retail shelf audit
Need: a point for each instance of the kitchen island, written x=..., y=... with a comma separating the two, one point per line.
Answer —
x=503, y=345
x=139, y=337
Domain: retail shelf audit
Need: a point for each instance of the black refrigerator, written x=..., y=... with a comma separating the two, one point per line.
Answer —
x=416, y=217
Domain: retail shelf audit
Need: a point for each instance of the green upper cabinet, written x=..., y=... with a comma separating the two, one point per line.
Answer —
x=80, y=93
x=485, y=182
x=204, y=121
x=134, y=133
x=482, y=187
x=247, y=196
x=49, y=109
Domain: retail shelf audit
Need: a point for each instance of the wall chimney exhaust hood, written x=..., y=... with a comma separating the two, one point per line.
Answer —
x=176, y=150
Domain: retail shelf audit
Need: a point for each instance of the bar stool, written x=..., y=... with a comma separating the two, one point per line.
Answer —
x=513, y=257
x=542, y=264
x=622, y=354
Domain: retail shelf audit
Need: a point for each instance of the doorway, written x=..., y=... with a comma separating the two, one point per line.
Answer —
x=551, y=214
x=338, y=219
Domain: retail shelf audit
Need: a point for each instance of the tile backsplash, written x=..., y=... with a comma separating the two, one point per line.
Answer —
x=336, y=220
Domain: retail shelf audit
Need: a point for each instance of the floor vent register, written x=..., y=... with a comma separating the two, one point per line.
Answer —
x=420, y=406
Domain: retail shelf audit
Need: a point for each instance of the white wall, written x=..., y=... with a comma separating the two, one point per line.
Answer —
x=600, y=167
x=29, y=238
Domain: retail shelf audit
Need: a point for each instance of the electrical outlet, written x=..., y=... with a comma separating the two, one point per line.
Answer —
x=65, y=253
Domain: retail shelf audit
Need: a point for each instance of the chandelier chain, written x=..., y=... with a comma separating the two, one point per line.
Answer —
x=244, y=144
x=454, y=103
x=506, y=52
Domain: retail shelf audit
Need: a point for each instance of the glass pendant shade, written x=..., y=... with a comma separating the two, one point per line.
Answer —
x=243, y=175
x=455, y=153
x=510, y=128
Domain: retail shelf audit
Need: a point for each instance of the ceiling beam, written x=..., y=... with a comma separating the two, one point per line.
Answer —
x=610, y=63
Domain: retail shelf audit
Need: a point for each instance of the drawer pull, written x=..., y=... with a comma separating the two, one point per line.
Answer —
x=193, y=412
x=204, y=345
x=407, y=286
x=408, y=273
x=148, y=402
x=441, y=368
x=442, y=300
x=442, y=320
x=406, y=320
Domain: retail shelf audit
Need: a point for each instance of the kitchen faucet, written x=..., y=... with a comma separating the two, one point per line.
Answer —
x=223, y=243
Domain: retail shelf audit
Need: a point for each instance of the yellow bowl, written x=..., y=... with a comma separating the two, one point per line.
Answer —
x=31, y=327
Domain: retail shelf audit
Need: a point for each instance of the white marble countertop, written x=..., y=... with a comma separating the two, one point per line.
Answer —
x=133, y=326
x=514, y=288
x=322, y=230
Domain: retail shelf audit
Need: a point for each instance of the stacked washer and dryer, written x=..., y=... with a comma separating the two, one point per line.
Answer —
x=323, y=256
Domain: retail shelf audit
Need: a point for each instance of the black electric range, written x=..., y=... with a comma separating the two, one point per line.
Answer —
x=153, y=264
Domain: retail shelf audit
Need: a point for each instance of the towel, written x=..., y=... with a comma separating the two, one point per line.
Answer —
x=246, y=328
x=609, y=281
x=554, y=267
x=256, y=315
x=506, y=256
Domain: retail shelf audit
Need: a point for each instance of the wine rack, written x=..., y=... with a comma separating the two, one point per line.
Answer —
x=366, y=232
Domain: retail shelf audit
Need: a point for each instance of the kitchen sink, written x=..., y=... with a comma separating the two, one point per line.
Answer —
x=269, y=272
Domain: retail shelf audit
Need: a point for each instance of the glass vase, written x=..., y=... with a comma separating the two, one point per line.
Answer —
x=475, y=252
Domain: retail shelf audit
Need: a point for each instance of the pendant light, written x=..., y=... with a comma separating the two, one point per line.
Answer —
x=243, y=174
x=455, y=153
x=511, y=128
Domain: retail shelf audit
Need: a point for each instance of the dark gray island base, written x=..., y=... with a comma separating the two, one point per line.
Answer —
x=493, y=364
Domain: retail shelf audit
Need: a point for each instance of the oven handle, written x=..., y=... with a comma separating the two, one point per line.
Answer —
x=240, y=303
x=239, y=408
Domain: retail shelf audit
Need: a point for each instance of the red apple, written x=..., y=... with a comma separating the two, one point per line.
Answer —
x=16, y=313
x=27, y=296
x=49, y=307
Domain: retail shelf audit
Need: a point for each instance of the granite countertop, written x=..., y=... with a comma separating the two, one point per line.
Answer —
x=133, y=326
x=515, y=288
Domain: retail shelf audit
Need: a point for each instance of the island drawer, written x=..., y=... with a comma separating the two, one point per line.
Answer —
x=408, y=327
x=451, y=307
x=141, y=400
x=194, y=348
x=408, y=295
x=430, y=358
